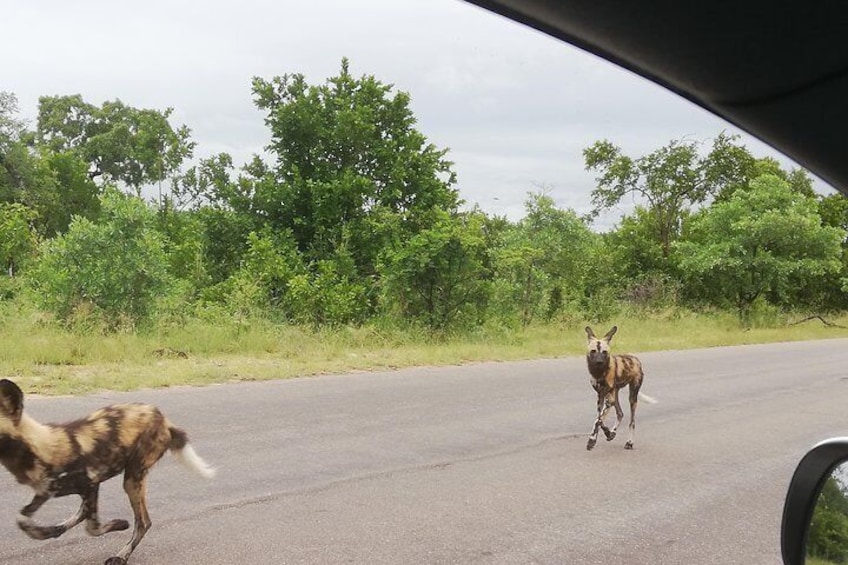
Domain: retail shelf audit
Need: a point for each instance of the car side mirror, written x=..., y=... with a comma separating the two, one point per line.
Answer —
x=815, y=516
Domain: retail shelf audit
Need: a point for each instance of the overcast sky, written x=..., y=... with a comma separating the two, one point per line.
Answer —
x=514, y=107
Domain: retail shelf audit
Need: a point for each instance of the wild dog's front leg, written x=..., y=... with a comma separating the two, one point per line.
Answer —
x=33, y=530
x=603, y=407
x=608, y=403
x=37, y=502
x=136, y=489
x=593, y=435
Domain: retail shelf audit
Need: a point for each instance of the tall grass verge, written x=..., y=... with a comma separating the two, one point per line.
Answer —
x=43, y=357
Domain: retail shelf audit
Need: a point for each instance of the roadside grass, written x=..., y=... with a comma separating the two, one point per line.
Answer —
x=46, y=359
x=818, y=561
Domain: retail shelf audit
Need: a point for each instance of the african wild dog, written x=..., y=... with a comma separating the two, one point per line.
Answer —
x=74, y=458
x=608, y=374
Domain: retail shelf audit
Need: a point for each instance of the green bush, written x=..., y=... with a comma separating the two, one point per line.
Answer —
x=106, y=274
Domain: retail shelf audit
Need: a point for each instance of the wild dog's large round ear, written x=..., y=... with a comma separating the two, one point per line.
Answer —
x=589, y=333
x=610, y=333
x=11, y=400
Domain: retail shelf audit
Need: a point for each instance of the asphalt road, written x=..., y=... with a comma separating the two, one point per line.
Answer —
x=476, y=464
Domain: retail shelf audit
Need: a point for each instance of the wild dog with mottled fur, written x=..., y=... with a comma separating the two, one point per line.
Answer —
x=74, y=458
x=609, y=374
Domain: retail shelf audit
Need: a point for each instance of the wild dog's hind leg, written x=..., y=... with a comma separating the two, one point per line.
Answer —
x=136, y=489
x=92, y=522
x=634, y=400
x=619, y=416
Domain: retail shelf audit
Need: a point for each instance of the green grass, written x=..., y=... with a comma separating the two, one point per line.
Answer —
x=45, y=359
x=818, y=561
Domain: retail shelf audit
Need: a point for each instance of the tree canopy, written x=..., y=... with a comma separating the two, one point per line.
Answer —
x=763, y=241
x=351, y=216
x=120, y=143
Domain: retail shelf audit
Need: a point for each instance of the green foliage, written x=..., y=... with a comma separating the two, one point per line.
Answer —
x=24, y=178
x=329, y=295
x=10, y=125
x=670, y=179
x=827, y=537
x=745, y=168
x=545, y=261
x=439, y=275
x=519, y=282
x=268, y=266
x=345, y=151
x=184, y=240
x=210, y=181
x=17, y=237
x=120, y=143
x=72, y=192
x=109, y=272
x=225, y=240
x=55, y=185
x=763, y=242
x=635, y=249
x=832, y=293
x=354, y=220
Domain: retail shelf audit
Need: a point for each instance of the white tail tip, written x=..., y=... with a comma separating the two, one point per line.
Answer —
x=648, y=399
x=188, y=457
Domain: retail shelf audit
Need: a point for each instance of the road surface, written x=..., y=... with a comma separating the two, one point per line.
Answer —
x=482, y=464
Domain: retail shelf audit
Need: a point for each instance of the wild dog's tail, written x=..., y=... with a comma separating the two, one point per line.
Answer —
x=648, y=399
x=186, y=455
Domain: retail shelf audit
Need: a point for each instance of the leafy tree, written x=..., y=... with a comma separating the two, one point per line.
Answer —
x=762, y=242
x=17, y=237
x=208, y=182
x=438, y=276
x=23, y=177
x=225, y=241
x=114, y=269
x=635, y=249
x=330, y=294
x=71, y=192
x=546, y=260
x=184, y=241
x=637, y=269
x=16, y=163
x=53, y=185
x=744, y=168
x=205, y=248
x=670, y=180
x=833, y=210
x=832, y=293
x=520, y=282
x=828, y=534
x=120, y=143
x=10, y=125
x=346, y=152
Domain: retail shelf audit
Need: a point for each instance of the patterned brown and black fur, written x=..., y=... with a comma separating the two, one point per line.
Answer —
x=609, y=374
x=74, y=458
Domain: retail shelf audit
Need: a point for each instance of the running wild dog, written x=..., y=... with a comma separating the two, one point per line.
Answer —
x=74, y=458
x=608, y=374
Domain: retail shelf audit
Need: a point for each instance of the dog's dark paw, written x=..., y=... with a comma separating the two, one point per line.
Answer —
x=610, y=435
x=116, y=526
x=590, y=444
x=115, y=561
x=628, y=445
x=35, y=531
